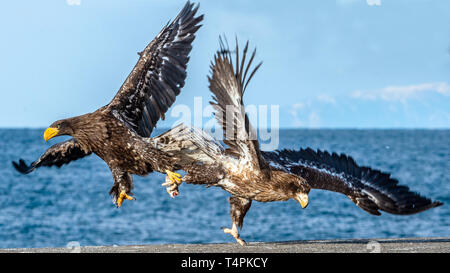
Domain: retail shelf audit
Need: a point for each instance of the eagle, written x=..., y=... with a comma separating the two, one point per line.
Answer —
x=119, y=133
x=249, y=174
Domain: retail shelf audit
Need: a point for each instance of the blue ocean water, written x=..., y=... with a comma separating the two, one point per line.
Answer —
x=52, y=207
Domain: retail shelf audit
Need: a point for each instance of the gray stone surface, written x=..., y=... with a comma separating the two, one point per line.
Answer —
x=407, y=245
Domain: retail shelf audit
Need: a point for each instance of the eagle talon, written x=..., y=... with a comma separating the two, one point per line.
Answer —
x=173, y=181
x=175, y=178
x=123, y=195
x=233, y=232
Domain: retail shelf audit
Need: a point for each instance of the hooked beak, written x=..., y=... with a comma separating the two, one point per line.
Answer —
x=302, y=198
x=50, y=132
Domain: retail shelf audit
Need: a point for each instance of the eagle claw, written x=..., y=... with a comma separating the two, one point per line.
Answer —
x=234, y=232
x=123, y=195
x=173, y=181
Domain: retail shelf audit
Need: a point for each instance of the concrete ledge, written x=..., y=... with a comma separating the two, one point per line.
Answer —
x=407, y=245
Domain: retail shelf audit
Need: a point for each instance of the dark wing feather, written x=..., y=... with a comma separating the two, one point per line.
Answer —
x=227, y=83
x=159, y=75
x=369, y=189
x=57, y=155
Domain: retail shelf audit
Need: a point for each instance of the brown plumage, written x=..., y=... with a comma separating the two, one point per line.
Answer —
x=250, y=174
x=119, y=132
x=240, y=169
x=371, y=190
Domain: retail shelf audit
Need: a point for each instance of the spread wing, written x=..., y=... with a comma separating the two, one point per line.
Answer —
x=228, y=83
x=57, y=155
x=156, y=80
x=369, y=189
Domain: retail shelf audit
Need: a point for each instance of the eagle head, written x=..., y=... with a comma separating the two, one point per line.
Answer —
x=58, y=128
x=302, y=191
x=302, y=198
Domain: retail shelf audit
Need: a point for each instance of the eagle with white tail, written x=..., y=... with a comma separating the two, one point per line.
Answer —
x=249, y=174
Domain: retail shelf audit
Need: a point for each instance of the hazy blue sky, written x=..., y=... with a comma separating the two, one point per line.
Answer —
x=330, y=63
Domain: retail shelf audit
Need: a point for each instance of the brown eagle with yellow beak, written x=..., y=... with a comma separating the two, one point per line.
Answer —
x=241, y=169
x=249, y=174
x=119, y=132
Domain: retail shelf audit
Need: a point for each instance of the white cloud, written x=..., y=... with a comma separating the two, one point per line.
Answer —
x=314, y=120
x=73, y=2
x=324, y=98
x=369, y=2
x=346, y=2
x=298, y=105
x=373, y=2
x=304, y=115
x=295, y=108
x=402, y=93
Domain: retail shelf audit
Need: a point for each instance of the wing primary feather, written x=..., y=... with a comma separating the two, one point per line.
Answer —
x=159, y=74
x=57, y=155
x=252, y=74
x=371, y=190
x=244, y=55
x=238, y=73
x=226, y=85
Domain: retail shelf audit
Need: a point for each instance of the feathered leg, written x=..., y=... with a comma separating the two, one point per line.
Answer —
x=196, y=174
x=238, y=208
x=121, y=190
x=163, y=162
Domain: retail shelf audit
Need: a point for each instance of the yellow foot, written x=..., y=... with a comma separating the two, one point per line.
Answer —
x=233, y=232
x=174, y=177
x=123, y=196
x=173, y=180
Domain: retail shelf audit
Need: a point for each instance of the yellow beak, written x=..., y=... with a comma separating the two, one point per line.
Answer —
x=302, y=198
x=50, y=132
